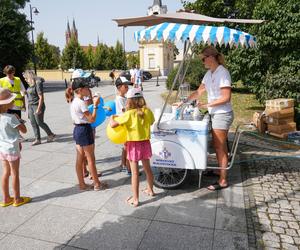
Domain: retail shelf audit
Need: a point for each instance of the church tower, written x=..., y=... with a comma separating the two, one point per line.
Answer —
x=157, y=8
x=157, y=57
x=71, y=32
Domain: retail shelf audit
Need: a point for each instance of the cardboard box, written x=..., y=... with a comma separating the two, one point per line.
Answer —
x=279, y=114
x=279, y=129
x=279, y=104
x=274, y=121
x=259, y=120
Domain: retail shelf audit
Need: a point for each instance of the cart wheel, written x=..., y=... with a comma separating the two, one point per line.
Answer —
x=169, y=178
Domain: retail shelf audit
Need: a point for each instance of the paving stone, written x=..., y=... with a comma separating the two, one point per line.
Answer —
x=271, y=237
x=291, y=232
x=107, y=231
x=13, y=242
x=297, y=240
x=287, y=218
x=289, y=246
x=278, y=230
x=282, y=224
x=270, y=243
x=274, y=217
x=226, y=240
x=273, y=210
x=286, y=239
x=55, y=224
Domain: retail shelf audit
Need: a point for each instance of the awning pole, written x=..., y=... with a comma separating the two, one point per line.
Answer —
x=125, y=62
x=174, y=82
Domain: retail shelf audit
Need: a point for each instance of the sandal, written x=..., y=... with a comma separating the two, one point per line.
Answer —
x=6, y=204
x=102, y=186
x=98, y=174
x=130, y=202
x=36, y=142
x=25, y=200
x=216, y=186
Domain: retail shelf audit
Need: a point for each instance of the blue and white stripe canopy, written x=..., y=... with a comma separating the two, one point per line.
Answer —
x=196, y=33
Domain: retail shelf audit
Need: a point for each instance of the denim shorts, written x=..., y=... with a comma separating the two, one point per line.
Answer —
x=222, y=120
x=83, y=134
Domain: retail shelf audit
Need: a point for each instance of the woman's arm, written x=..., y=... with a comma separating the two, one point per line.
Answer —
x=225, y=97
x=195, y=95
x=41, y=101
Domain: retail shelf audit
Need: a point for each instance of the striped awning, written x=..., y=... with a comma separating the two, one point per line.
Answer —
x=211, y=35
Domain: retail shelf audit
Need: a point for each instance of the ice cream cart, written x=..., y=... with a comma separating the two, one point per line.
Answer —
x=179, y=143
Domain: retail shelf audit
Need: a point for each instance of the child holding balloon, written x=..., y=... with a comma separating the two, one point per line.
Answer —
x=83, y=134
x=137, y=119
x=122, y=85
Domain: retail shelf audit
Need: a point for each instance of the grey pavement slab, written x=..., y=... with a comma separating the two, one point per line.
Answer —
x=230, y=240
x=2, y=235
x=231, y=197
x=107, y=231
x=197, y=208
x=13, y=217
x=55, y=224
x=13, y=242
x=231, y=219
x=161, y=235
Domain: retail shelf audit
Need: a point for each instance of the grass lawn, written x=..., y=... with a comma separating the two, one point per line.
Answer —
x=244, y=104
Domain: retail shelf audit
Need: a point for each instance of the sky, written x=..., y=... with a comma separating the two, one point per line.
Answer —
x=92, y=17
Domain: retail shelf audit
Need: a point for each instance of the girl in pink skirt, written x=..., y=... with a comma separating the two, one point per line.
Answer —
x=137, y=119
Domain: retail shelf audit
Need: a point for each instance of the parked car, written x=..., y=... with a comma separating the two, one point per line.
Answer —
x=146, y=75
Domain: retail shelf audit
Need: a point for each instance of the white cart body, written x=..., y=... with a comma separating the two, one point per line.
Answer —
x=179, y=143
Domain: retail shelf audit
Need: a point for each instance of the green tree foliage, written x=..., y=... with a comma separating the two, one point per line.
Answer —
x=15, y=47
x=194, y=74
x=101, y=56
x=73, y=56
x=47, y=55
x=120, y=59
x=133, y=60
x=90, y=57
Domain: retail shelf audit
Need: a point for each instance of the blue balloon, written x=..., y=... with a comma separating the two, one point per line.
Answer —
x=101, y=102
x=100, y=115
x=112, y=105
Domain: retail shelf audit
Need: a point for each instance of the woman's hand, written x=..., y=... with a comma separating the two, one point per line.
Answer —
x=202, y=105
x=38, y=111
x=178, y=104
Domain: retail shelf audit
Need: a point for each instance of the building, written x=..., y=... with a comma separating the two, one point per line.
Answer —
x=71, y=32
x=157, y=56
x=74, y=33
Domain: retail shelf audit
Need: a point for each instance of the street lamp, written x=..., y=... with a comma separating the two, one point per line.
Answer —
x=35, y=11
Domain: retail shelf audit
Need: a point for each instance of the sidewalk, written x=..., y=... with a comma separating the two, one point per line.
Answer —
x=62, y=217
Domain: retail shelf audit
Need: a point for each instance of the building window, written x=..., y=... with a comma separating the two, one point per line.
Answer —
x=152, y=63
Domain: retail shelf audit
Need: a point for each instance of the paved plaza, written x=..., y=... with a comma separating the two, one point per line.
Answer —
x=261, y=208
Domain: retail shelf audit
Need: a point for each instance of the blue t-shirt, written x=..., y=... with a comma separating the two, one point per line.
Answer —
x=9, y=134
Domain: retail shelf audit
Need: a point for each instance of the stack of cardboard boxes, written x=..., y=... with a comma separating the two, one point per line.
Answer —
x=280, y=117
x=277, y=119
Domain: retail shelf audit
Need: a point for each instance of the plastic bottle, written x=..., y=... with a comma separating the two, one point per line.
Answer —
x=196, y=114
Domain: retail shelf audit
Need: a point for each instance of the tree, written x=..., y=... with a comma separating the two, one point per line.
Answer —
x=73, y=55
x=132, y=60
x=47, y=55
x=120, y=58
x=101, y=56
x=90, y=57
x=15, y=47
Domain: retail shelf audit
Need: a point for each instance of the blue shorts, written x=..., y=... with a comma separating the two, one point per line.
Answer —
x=83, y=134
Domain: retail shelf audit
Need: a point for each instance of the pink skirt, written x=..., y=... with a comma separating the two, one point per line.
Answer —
x=8, y=157
x=138, y=150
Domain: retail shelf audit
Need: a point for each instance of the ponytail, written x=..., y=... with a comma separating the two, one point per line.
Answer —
x=69, y=94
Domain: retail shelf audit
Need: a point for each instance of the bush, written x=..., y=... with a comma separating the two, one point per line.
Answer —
x=194, y=75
